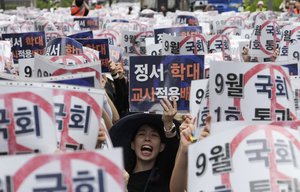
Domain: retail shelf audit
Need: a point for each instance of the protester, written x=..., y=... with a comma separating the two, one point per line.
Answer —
x=155, y=146
x=129, y=10
x=297, y=8
x=79, y=8
x=163, y=10
x=291, y=6
x=260, y=6
x=121, y=88
x=100, y=4
x=149, y=143
x=178, y=182
x=283, y=7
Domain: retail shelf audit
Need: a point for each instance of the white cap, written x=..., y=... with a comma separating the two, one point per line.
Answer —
x=260, y=3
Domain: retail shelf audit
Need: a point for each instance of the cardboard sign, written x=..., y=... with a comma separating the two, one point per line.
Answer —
x=189, y=45
x=100, y=45
x=235, y=89
x=176, y=31
x=156, y=77
x=24, y=45
x=220, y=161
x=96, y=171
x=63, y=46
x=87, y=23
x=27, y=119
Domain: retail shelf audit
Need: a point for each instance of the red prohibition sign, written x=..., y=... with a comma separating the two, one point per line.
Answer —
x=234, y=19
x=65, y=57
x=292, y=33
x=274, y=104
x=268, y=129
x=265, y=24
x=13, y=146
x=136, y=37
x=65, y=138
x=195, y=41
x=223, y=38
x=92, y=53
x=73, y=71
x=233, y=27
x=108, y=33
x=65, y=162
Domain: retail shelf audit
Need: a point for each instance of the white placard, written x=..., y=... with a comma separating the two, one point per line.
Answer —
x=154, y=49
x=296, y=91
x=289, y=44
x=87, y=79
x=188, y=45
x=230, y=160
x=45, y=68
x=27, y=119
x=250, y=92
x=220, y=43
x=97, y=171
x=133, y=43
x=264, y=40
x=199, y=102
x=78, y=113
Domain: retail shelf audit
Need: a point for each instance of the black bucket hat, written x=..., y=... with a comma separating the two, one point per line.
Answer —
x=123, y=132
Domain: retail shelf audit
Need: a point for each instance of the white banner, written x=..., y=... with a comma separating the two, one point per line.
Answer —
x=93, y=171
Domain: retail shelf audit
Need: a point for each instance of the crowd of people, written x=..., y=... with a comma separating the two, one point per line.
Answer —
x=155, y=146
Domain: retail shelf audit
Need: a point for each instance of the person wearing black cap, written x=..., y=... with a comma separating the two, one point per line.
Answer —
x=150, y=144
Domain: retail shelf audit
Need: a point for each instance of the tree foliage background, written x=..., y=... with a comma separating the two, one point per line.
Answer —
x=250, y=5
x=42, y=4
